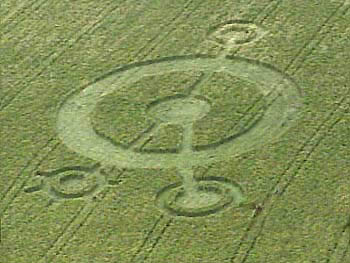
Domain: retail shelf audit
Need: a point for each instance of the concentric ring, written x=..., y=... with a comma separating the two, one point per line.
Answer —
x=75, y=129
x=228, y=193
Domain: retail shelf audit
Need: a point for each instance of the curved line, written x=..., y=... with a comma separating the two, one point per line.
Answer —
x=165, y=99
x=3, y=106
x=62, y=195
x=186, y=60
x=162, y=215
x=238, y=134
x=269, y=66
x=26, y=178
x=69, y=168
x=28, y=163
x=110, y=139
x=301, y=149
x=80, y=224
x=268, y=197
x=170, y=219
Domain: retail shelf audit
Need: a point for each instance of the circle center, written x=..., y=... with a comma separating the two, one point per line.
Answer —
x=180, y=111
x=198, y=199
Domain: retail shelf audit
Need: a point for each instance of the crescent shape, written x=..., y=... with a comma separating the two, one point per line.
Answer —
x=75, y=130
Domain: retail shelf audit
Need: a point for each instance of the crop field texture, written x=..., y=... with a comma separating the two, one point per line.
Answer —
x=209, y=131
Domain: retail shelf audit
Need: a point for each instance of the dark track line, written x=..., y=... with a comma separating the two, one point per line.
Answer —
x=313, y=37
x=347, y=250
x=92, y=209
x=14, y=183
x=48, y=204
x=148, y=235
x=52, y=58
x=333, y=250
x=153, y=49
x=25, y=167
x=62, y=233
x=173, y=20
x=268, y=12
x=283, y=190
x=301, y=149
x=84, y=206
x=305, y=145
x=29, y=163
x=93, y=27
x=71, y=224
x=169, y=222
x=144, y=56
x=335, y=246
x=159, y=238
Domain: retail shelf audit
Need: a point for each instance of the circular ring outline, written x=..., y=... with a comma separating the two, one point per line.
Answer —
x=58, y=190
x=233, y=196
x=75, y=129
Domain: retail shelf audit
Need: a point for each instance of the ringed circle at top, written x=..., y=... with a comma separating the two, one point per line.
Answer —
x=75, y=129
x=237, y=32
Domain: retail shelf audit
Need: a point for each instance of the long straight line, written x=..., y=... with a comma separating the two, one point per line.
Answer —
x=71, y=224
x=12, y=191
x=54, y=55
x=201, y=82
x=72, y=228
x=90, y=29
x=267, y=198
x=314, y=40
x=143, y=48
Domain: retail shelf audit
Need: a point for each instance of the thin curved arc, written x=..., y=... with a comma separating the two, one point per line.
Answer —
x=234, y=136
x=231, y=192
x=301, y=149
x=205, y=63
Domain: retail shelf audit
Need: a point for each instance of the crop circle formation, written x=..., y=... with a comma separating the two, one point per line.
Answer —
x=99, y=120
x=77, y=132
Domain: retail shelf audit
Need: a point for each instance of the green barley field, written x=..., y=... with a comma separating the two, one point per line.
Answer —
x=188, y=131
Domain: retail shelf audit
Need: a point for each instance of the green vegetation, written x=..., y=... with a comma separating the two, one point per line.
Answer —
x=234, y=103
x=296, y=188
x=122, y=115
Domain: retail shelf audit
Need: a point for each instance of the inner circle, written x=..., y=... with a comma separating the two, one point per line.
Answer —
x=74, y=118
x=212, y=194
x=198, y=199
x=74, y=185
x=180, y=110
x=71, y=180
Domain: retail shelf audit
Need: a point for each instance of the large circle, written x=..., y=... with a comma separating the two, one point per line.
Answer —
x=75, y=129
